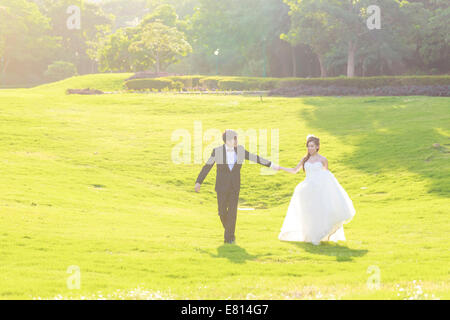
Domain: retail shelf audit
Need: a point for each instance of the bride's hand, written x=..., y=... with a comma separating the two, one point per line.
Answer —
x=289, y=170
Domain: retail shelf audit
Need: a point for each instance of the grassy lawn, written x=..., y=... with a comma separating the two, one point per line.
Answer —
x=89, y=181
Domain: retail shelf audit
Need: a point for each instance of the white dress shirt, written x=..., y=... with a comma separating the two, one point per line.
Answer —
x=231, y=158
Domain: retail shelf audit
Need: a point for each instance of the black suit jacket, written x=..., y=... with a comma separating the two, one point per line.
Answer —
x=226, y=179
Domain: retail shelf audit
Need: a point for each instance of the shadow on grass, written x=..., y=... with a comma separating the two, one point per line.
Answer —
x=342, y=253
x=233, y=253
x=389, y=133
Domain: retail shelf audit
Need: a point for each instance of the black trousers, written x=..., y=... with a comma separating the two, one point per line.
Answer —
x=227, y=202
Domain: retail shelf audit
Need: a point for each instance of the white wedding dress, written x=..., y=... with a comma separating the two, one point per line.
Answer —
x=318, y=208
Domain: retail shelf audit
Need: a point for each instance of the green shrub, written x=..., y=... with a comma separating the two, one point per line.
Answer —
x=60, y=70
x=196, y=81
x=152, y=84
x=254, y=83
x=247, y=83
x=177, y=85
x=211, y=83
x=236, y=85
x=188, y=81
x=269, y=84
x=366, y=82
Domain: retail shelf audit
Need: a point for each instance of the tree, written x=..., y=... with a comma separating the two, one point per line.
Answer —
x=313, y=27
x=77, y=44
x=327, y=25
x=164, y=13
x=127, y=13
x=155, y=42
x=161, y=44
x=183, y=8
x=428, y=36
x=25, y=40
x=244, y=31
x=113, y=53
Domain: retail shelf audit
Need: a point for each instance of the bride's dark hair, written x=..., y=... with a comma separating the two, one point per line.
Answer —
x=308, y=140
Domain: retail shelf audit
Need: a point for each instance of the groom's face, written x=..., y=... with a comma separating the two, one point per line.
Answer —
x=233, y=142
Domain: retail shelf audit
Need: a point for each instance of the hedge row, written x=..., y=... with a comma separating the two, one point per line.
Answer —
x=410, y=90
x=369, y=82
x=249, y=84
x=158, y=84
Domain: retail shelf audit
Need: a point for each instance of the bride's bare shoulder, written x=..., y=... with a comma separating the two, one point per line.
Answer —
x=324, y=161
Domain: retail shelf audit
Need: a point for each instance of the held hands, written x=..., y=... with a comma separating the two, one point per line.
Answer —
x=275, y=167
x=290, y=170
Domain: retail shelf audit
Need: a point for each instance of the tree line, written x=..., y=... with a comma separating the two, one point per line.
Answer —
x=276, y=38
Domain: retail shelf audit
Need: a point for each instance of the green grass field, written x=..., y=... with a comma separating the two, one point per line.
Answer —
x=89, y=181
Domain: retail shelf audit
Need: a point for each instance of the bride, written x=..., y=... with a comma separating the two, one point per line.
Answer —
x=319, y=206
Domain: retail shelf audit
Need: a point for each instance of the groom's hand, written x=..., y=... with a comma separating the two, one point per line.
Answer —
x=197, y=187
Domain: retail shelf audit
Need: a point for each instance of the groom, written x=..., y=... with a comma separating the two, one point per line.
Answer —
x=229, y=158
